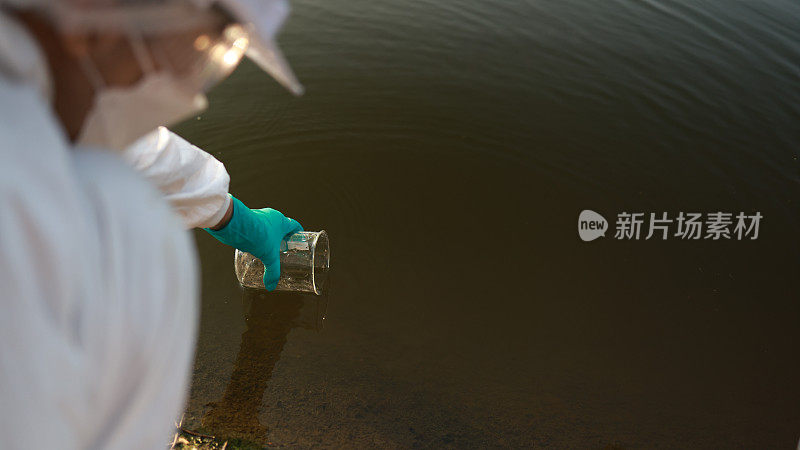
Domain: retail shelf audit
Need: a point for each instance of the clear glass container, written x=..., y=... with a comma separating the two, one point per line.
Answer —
x=305, y=260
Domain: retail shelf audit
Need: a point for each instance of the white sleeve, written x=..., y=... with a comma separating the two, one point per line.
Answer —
x=192, y=181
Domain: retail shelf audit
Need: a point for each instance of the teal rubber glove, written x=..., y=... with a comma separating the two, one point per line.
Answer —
x=258, y=232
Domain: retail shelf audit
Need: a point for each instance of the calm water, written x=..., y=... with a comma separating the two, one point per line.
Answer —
x=448, y=147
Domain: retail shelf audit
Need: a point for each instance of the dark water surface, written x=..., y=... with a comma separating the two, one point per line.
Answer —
x=447, y=147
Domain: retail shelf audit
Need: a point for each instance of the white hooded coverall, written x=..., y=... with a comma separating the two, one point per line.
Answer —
x=98, y=274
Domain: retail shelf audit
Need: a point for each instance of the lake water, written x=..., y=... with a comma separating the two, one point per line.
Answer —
x=448, y=147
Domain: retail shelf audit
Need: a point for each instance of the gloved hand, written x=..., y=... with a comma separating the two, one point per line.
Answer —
x=258, y=232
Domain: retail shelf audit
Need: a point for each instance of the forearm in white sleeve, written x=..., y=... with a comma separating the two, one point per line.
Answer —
x=192, y=181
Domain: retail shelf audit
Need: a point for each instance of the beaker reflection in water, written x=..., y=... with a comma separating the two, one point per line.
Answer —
x=305, y=261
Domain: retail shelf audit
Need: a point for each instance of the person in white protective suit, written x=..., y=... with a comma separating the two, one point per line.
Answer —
x=97, y=271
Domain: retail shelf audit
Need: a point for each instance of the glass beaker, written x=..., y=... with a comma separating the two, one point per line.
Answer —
x=305, y=260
